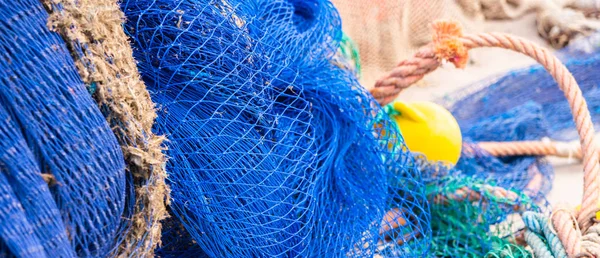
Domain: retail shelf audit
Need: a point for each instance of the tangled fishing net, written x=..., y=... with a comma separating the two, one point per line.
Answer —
x=523, y=105
x=478, y=207
x=272, y=145
x=93, y=32
x=274, y=148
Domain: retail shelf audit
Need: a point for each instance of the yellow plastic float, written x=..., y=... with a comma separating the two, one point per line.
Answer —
x=429, y=129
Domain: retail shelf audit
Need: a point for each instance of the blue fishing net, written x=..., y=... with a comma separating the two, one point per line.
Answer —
x=51, y=126
x=275, y=150
x=524, y=104
x=534, y=95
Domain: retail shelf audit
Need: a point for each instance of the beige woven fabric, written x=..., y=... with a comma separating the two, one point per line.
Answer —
x=388, y=31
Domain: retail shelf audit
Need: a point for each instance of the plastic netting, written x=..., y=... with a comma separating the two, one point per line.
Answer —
x=531, y=91
x=104, y=59
x=274, y=149
x=52, y=127
x=475, y=213
x=524, y=104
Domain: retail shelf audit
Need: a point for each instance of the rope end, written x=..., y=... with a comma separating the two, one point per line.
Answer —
x=447, y=44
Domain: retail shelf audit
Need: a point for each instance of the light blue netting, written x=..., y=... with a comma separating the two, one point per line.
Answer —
x=525, y=104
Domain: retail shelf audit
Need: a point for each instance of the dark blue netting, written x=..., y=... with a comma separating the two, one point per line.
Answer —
x=517, y=124
x=525, y=104
x=51, y=126
x=183, y=247
x=272, y=145
x=532, y=92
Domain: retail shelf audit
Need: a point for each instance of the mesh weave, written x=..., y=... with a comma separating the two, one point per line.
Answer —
x=52, y=126
x=524, y=104
x=468, y=218
x=388, y=31
x=271, y=143
x=104, y=59
x=532, y=93
x=275, y=149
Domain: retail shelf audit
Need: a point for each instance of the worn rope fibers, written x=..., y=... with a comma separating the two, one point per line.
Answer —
x=52, y=126
x=272, y=148
x=522, y=105
x=93, y=32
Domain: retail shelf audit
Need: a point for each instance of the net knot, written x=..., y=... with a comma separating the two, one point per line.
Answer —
x=447, y=43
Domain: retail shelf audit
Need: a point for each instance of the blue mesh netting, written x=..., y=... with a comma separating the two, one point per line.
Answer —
x=275, y=149
x=532, y=93
x=50, y=125
x=271, y=144
x=524, y=104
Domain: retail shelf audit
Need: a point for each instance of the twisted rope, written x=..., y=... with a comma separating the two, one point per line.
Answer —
x=532, y=148
x=451, y=45
x=591, y=241
x=558, y=21
x=581, y=114
x=538, y=229
x=545, y=147
x=407, y=73
x=478, y=193
x=565, y=224
x=539, y=247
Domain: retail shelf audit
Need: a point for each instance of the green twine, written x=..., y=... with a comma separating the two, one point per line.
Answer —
x=386, y=115
x=92, y=88
x=389, y=109
x=395, y=141
x=508, y=250
x=391, y=113
x=463, y=228
x=349, y=51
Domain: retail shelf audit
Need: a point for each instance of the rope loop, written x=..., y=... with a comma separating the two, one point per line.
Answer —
x=451, y=45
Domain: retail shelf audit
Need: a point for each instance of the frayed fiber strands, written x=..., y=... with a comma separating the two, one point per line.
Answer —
x=239, y=129
x=94, y=34
x=52, y=126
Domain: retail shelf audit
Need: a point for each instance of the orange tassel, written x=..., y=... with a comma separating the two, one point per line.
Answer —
x=447, y=44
